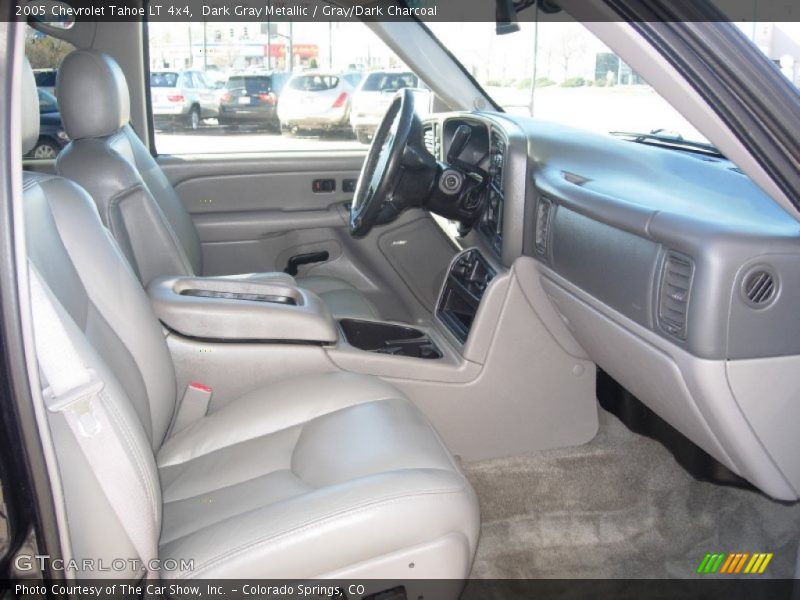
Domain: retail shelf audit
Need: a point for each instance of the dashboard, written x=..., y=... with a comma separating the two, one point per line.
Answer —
x=671, y=269
x=486, y=150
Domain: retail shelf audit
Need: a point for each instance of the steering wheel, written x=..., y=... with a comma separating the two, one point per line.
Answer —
x=382, y=169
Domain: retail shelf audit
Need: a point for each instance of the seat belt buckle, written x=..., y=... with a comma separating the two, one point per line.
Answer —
x=78, y=401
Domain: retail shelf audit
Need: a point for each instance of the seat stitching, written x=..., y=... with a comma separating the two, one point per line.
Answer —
x=244, y=480
x=275, y=431
x=435, y=494
x=137, y=456
x=235, y=514
x=224, y=487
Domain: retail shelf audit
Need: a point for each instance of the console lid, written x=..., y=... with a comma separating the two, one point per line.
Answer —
x=218, y=308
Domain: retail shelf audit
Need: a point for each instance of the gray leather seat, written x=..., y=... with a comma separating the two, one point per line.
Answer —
x=330, y=474
x=134, y=197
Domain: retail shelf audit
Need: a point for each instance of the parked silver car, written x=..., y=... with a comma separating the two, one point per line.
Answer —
x=374, y=95
x=315, y=100
x=182, y=98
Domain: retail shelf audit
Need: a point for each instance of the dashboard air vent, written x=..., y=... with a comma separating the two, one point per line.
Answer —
x=759, y=288
x=673, y=301
x=544, y=210
x=429, y=136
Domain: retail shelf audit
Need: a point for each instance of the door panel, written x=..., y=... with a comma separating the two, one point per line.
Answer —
x=208, y=184
x=253, y=213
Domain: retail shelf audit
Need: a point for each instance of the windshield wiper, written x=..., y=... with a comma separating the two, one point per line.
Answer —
x=659, y=137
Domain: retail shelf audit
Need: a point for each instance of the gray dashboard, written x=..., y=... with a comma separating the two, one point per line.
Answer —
x=671, y=270
x=673, y=240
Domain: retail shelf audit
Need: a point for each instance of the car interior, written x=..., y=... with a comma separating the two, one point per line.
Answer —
x=595, y=376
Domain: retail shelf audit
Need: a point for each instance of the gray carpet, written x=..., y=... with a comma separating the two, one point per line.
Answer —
x=618, y=507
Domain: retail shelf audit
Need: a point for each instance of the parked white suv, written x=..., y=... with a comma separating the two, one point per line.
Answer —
x=373, y=96
x=315, y=100
x=182, y=98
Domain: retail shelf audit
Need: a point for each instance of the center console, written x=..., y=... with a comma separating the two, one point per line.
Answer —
x=467, y=280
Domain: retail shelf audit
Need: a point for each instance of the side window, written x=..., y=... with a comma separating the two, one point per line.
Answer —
x=275, y=87
x=45, y=54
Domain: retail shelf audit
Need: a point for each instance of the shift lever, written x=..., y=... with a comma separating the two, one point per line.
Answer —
x=458, y=143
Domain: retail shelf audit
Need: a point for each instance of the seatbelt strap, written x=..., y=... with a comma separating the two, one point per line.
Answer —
x=76, y=392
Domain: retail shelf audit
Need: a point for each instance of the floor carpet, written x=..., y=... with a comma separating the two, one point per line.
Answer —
x=618, y=507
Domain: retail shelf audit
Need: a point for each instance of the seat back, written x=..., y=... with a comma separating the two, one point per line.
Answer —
x=110, y=322
x=106, y=157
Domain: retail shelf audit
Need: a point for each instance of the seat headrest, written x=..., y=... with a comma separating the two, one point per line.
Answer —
x=92, y=95
x=30, y=109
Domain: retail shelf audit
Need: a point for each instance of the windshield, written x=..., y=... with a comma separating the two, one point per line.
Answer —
x=560, y=71
x=163, y=79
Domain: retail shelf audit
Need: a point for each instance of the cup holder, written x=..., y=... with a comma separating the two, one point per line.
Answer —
x=386, y=338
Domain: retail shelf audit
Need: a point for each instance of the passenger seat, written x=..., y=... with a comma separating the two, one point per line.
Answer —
x=329, y=475
x=135, y=199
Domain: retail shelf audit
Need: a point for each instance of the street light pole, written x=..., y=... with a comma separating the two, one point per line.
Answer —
x=191, y=48
x=291, y=47
x=269, y=39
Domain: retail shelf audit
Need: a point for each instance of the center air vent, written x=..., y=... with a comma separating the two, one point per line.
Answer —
x=759, y=288
x=673, y=301
x=430, y=139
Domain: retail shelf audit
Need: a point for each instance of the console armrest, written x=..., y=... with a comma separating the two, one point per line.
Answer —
x=241, y=309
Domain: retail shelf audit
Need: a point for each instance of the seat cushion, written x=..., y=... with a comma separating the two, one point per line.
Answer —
x=308, y=477
x=342, y=299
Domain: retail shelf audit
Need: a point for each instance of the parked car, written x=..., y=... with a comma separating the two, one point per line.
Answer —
x=182, y=98
x=46, y=80
x=252, y=98
x=315, y=100
x=52, y=137
x=373, y=96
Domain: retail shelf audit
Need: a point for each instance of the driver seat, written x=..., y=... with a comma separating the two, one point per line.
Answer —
x=134, y=197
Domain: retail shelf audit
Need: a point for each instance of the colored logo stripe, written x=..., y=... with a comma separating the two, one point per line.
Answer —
x=758, y=563
x=734, y=563
x=710, y=563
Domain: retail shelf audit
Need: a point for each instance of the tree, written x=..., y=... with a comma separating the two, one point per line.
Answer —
x=46, y=52
x=570, y=45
